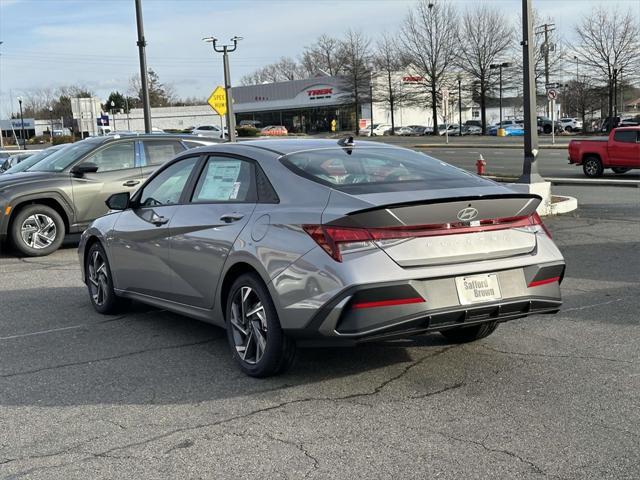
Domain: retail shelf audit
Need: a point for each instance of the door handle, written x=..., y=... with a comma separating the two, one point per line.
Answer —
x=158, y=221
x=231, y=217
x=131, y=183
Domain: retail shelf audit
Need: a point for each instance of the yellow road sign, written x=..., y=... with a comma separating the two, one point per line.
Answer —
x=218, y=100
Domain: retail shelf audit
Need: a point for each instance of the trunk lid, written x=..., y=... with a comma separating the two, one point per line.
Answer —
x=422, y=228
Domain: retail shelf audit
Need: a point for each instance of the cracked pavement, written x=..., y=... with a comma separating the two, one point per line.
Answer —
x=152, y=395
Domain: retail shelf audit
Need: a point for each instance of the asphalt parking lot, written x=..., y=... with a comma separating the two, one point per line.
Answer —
x=151, y=394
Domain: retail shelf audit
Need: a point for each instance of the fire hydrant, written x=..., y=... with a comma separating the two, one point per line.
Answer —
x=480, y=164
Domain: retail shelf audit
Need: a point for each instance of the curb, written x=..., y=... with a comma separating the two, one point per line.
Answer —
x=563, y=204
x=574, y=181
x=484, y=145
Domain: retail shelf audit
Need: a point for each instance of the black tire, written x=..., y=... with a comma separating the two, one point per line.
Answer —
x=568, y=129
x=470, y=334
x=546, y=129
x=592, y=167
x=104, y=301
x=620, y=170
x=43, y=231
x=279, y=351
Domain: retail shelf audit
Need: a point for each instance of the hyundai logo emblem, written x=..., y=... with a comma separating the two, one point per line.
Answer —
x=467, y=214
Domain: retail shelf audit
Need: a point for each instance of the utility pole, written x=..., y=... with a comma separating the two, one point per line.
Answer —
x=22, y=136
x=225, y=50
x=371, y=103
x=530, y=167
x=546, y=48
x=459, y=78
x=142, y=43
x=391, y=99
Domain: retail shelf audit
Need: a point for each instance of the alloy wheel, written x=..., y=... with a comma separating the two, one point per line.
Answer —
x=38, y=231
x=591, y=167
x=98, y=278
x=249, y=324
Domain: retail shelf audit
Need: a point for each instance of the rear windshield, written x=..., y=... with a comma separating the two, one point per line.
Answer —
x=378, y=169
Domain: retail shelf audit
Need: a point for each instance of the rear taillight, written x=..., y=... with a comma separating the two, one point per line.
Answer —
x=338, y=240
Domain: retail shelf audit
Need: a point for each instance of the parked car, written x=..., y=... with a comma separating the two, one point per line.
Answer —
x=420, y=130
x=401, y=131
x=609, y=123
x=571, y=124
x=14, y=160
x=210, y=131
x=630, y=121
x=450, y=128
x=274, y=131
x=379, y=129
x=473, y=123
x=64, y=192
x=466, y=130
x=313, y=241
x=545, y=125
x=32, y=159
x=620, y=152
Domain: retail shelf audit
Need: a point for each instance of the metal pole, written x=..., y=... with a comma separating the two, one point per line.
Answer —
x=1, y=134
x=500, y=95
x=553, y=124
x=143, y=68
x=615, y=96
x=126, y=105
x=460, y=106
x=371, y=101
x=51, y=121
x=113, y=114
x=231, y=119
x=530, y=166
x=22, y=135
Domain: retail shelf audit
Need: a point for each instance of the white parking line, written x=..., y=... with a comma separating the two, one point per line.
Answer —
x=44, y=332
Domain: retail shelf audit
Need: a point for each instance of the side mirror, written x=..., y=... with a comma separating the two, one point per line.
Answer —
x=119, y=201
x=84, y=168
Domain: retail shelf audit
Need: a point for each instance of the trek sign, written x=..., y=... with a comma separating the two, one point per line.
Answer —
x=218, y=101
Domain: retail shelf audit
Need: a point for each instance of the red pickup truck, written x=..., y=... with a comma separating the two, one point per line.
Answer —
x=620, y=152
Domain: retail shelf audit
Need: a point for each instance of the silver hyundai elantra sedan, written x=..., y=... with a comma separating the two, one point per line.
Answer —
x=289, y=243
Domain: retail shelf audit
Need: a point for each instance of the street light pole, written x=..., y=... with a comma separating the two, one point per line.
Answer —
x=22, y=137
x=126, y=105
x=142, y=43
x=500, y=66
x=113, y=114
x=371, y=102
x=51, y=121
x=459, y=104
x=225, y=50
x=530, y=167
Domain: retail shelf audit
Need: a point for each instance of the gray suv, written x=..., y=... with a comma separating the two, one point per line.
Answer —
x=65, y=191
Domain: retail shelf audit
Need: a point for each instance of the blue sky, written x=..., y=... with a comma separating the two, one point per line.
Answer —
x=48, y=43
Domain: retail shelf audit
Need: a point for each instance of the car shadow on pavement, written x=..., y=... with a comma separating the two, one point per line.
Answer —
x=69, y=355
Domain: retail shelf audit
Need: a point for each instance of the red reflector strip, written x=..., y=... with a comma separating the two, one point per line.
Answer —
x=537, y=283
x=388, y=303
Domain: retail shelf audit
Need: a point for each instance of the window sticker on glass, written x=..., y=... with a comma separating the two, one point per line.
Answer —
x=219, y=182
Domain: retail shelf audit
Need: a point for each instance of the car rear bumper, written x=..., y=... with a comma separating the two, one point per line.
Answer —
x=525, y=291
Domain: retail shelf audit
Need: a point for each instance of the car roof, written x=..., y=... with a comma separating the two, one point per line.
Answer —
x=287, y=146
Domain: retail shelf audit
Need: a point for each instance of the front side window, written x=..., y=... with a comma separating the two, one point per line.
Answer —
x=157, y=152
x=166, y=187
x=225, y=180
x=625, y=136
x=119, y=156
x=378, y=169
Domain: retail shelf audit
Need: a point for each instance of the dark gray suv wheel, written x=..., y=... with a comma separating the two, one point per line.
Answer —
x=37, y=230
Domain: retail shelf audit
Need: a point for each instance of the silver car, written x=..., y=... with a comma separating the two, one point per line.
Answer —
x=289, y=243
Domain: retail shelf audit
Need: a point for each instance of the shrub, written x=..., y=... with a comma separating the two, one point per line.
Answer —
x=248, y=131
x=62, y=139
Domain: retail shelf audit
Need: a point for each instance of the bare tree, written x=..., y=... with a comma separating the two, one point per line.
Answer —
x=356, y=72
x=430, y=40
x=388, y=62
x=323, y=56
x=485, y=36
x=609, y=42
x=281, y=71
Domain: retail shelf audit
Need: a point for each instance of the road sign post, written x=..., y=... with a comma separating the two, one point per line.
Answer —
x=552, y=94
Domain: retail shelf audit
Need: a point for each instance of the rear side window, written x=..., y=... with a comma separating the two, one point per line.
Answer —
x=375, y=169
x=158, y=152
x=119, y=156
x=625, y=136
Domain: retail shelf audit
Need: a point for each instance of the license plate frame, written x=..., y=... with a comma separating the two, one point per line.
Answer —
x=478, y=288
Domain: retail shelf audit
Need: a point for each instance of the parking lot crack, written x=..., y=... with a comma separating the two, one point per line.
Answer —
x=278, y=406
x=547, y=355
x=437, y=392
x=106, y=359
x=535, y=468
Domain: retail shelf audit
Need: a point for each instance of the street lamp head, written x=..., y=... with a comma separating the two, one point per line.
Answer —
x=236, y=39
x=430, y=5
x=113, y=104
x=19, y=99
x=50, y=108
x=210, y=39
